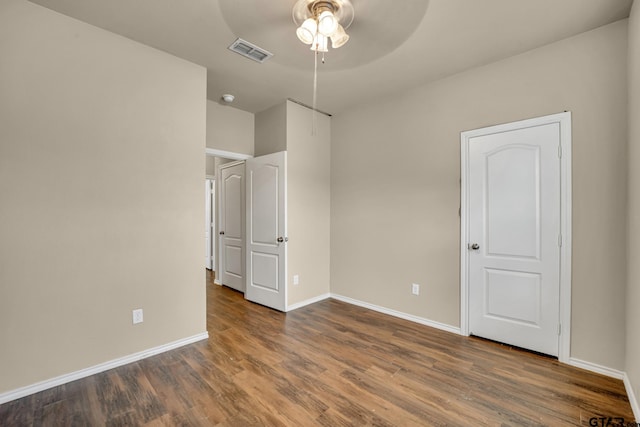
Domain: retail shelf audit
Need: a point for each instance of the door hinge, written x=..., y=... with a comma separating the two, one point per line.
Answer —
x=560, y=240
x=560, y=151
x=559, y=328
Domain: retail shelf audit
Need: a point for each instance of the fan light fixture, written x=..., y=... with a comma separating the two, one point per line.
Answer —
x=318, y=22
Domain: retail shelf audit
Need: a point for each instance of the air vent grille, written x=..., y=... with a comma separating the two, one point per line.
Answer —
x=249, y=50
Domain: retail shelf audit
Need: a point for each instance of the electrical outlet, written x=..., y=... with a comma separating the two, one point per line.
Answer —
x=296, y=279
x=137, y=316
x=415, y=289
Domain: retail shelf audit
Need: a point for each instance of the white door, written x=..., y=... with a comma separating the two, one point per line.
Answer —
x=207, y=224
x=231, y=225
x=212, y=224
x=514, y=235
x=267, y=231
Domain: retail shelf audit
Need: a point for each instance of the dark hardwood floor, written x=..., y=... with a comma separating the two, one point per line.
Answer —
x=328, y=364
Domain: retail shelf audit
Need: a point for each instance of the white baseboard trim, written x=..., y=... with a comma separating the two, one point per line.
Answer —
x=82, y=373
x=594, y=367
x=308, y=302
x=217, y=282
x=401, y=315
x=614, y=373
x=633, y=400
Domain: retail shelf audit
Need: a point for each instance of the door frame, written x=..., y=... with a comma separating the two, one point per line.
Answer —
x=214, y=152
x=564, y=152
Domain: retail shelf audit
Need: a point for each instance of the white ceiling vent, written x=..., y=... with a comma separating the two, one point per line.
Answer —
x=250, y=50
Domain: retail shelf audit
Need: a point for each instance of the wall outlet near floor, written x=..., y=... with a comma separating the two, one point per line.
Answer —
x=415, y=289
x=137, y=316
x=296, y=279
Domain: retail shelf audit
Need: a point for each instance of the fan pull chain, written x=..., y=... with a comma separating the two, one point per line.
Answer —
x=315, y=92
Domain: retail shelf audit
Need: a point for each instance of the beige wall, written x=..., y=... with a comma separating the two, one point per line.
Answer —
x=101, y=171
x=308, y=203
x=210, y=166
x=633, y=254
x=271, y=130
x=395, y=171
x=229, y=129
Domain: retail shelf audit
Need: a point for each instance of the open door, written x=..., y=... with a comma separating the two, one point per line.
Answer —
x=266, y=226
x=231, y=225
x=208, y=235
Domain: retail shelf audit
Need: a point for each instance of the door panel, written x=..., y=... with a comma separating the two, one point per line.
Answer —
x=264, y=199
x=264, y=271
x=233, y=184
x=514, y=219
x=513, y=201
x=513, y=296
x=232, y=260
x=231, y=225
x=266, y=225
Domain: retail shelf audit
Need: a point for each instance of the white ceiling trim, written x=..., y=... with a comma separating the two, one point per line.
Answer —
x=227, y=154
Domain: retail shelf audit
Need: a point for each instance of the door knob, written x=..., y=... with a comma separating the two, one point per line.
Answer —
x=221, y=233
x=474, y=246
x=283, y=239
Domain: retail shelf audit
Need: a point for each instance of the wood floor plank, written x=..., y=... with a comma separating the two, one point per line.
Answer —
x=327, y=364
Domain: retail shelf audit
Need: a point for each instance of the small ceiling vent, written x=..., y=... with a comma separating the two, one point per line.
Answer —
x=249, y=50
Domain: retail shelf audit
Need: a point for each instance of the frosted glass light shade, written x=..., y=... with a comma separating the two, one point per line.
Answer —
x=307, y=31
x=327, y=23
x=339, y=37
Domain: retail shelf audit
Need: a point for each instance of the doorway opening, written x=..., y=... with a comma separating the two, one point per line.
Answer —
x=215, y=158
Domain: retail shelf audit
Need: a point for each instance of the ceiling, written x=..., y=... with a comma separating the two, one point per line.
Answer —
x=394, y=45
